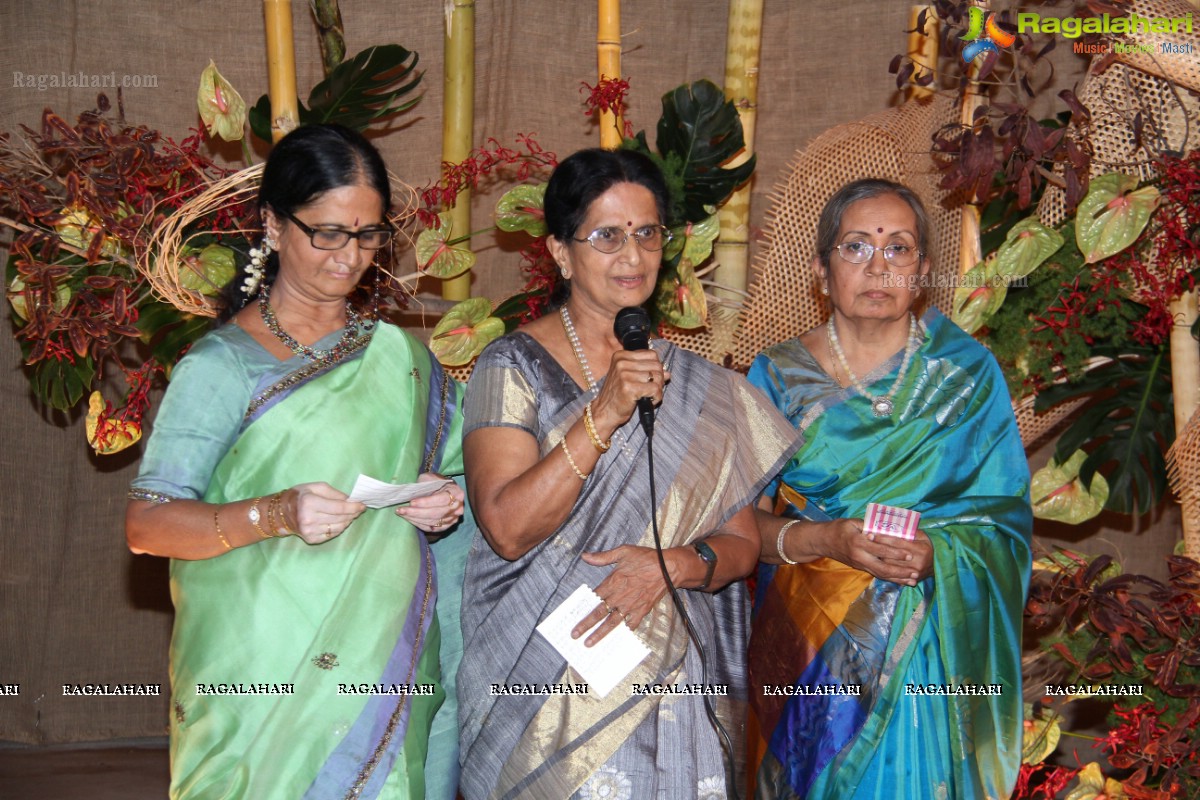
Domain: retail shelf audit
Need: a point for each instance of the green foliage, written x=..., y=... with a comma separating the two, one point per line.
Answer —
x=360, y=91
x=1126, y=429
x=1044, y=332
x=698, y=132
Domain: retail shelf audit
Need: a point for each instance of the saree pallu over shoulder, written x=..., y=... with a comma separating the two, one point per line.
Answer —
x=717, y=442
x=863, y=688
x=312, y=671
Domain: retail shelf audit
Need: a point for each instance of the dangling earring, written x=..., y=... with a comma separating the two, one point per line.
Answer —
x=257, y=268
x=825, y=289
x=375, y=297
x=563, y=271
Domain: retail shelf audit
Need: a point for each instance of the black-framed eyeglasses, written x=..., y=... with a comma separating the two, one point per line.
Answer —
x=898, y=255
x=374, y=238
x=610, y=239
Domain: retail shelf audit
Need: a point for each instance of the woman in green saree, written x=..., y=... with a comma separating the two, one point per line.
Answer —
x=304, y=659
x=888, y=667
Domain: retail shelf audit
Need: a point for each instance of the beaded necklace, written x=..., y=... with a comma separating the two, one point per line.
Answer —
x=581, y=358
x=330, y=356
x=881, y=405
x=576, y=346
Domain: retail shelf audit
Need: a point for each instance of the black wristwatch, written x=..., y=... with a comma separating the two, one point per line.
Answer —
x=709, y=556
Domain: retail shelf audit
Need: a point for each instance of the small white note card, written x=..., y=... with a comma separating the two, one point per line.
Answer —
x=611, y=659
x=377, y=494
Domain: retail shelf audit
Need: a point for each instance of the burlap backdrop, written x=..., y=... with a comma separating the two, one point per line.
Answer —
x=77, y=607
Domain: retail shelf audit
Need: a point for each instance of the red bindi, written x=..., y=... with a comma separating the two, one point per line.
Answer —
x=879, y=230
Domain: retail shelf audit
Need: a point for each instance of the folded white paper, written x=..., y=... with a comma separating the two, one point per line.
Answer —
x=609, y=660
x=377, y=494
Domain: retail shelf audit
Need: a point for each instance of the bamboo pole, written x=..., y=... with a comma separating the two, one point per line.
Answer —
x=1185, y=387
x=281, y=67
x=743, y=44
x=458, y=120
x=922, y=50
x=970, y=252
x=331, y=33
x=608, y=63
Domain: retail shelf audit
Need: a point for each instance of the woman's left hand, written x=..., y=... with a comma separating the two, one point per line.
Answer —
x=917, y=558
x=629, y=592
x=438, y=512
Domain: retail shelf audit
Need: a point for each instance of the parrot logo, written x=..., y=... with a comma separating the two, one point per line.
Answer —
x=984, y=36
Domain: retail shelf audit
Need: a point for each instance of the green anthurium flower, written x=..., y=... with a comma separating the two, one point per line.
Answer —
x=1058, y=493
x=208, y=270
x=694, y=240
x=465, y=331
x=521, y=209
x=1112, y=215
x=436, y=256
x=1026, y=246
x=979, y=296
x=16, y=297
x=1094, y=786
x=1040, y=739
x=680, y=298
x=221, y=107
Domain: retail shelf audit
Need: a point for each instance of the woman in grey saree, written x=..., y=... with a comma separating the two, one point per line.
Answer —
x=557, y=474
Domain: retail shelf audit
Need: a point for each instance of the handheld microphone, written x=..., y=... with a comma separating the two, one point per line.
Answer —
x=632, y=328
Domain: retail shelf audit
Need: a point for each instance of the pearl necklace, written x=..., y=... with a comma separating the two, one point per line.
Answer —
x=333, y=354
x=576, y=346
x=882, y=406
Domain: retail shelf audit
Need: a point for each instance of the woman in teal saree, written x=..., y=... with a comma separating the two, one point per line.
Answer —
x=882, y=667
x=304, y=659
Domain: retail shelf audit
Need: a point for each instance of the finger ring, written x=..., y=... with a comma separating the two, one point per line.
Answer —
x=607, y=607
x=450, y=495
x=649, y=377
x=328, y=531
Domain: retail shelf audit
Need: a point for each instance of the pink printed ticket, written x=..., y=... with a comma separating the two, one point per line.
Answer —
x=891, y=521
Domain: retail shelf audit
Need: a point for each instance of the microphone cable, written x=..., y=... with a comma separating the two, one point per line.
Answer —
x=731, y=787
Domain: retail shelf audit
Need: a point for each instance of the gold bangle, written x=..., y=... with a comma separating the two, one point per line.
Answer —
x=217, y=525
x=571, y=461
x=275, y=510
x=256, y=519
x=779, y=541
x=590, y=424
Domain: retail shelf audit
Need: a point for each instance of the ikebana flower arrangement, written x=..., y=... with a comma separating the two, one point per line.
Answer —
x=699, y=132
x=1133, y=644
x=85, y=201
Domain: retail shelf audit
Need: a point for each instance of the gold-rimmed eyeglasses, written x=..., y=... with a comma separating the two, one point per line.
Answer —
x=610, y=239
x=898, y=255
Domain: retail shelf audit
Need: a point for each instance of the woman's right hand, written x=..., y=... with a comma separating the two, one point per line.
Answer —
x=632, y=375
x=317, y=512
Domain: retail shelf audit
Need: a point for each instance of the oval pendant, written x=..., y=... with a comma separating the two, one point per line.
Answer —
x=882, y=406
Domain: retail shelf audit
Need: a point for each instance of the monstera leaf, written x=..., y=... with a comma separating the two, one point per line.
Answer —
x=465, y=331
x=698, y=132
x=1125, y=429
x=1058, y=494
x=1112, y=215
x=522, y=209
x=437, y=256
x=358, y=92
